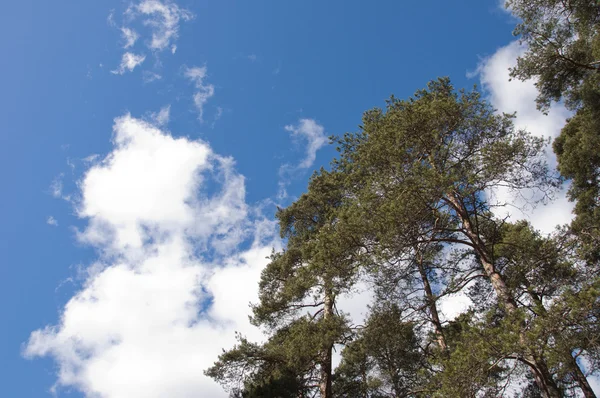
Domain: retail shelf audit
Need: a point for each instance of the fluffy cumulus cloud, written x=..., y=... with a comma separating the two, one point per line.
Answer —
x=197, y=75
x=314, y=134
x=180, y=257
x=129, y=61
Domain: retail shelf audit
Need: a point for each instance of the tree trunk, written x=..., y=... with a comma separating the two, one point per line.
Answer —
x=543, y=378
x=540, y=371
x=431, y=304
x=325, y=365
x=578, y=375
x=584, y=385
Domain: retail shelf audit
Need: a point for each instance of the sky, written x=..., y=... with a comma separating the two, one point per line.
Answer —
x=145, y=147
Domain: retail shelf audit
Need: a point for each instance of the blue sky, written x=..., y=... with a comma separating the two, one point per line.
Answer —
x=272, y=78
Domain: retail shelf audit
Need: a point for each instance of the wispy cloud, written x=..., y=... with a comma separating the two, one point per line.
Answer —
x=161, y=117
x=314, y=135
x=56, y=187
x=149, y=76
x=217, y=117
x=91, y=159
x=174, y=278
x=130, y=36
x=128, y=63
x=204, y=91
x=52, y=221
x=164, y=19
x=110, y=19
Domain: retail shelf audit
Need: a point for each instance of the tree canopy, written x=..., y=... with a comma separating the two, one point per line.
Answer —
x=410, y=207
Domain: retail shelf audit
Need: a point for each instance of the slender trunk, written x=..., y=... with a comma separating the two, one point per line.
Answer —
x=325, y=365
x=540, y=371
x=504, y=296
x=364, y=382
x=543, y=377
x=584, y=385
x=571, y=362
x=431, y=304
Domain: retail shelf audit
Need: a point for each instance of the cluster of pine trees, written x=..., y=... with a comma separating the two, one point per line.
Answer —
x=407, y=207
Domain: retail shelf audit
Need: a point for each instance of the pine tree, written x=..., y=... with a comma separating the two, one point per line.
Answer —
x=299, y=287
x=563, y=55
x=408, y=204
x=436, y=155
x=385, y=360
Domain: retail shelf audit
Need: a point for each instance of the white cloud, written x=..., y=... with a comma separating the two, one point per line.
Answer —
x=204, y=91
x=128, y=63
x=356, y=302
x=314, y=134
x=52, y=221
x=172, y=282
x=161, y=117
x=218, y=115
x=453, y=305
x=91, y=159
x=164, y=19
x=130, y=36
x=149, y=76
x=56, y=187
x=110, y=19
x=517, y=96
x=71, y=165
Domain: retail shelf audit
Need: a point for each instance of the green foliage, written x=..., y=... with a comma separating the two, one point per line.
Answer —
x=320, y=257
x=563, y=47
x=297, y=293
x=406, y=163
x=282, y=367
x=563, y=55
x=385, y=359
x=476, y=366
x=407, y=204
x=535, y=268
x=578, y=152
